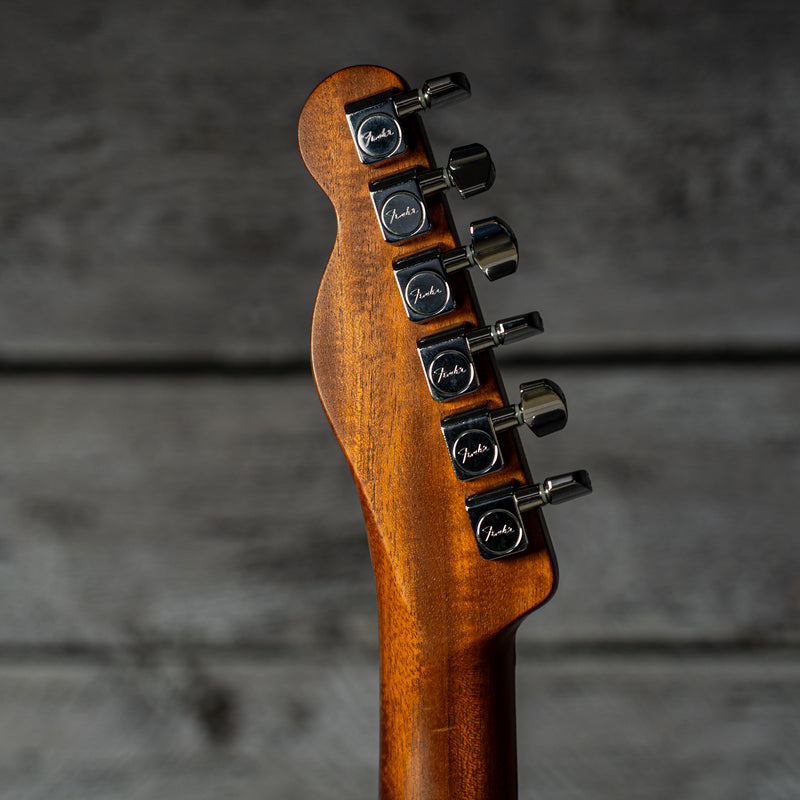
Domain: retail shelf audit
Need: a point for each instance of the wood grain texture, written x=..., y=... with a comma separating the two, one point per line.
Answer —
x=152, y=206
x=446, y=617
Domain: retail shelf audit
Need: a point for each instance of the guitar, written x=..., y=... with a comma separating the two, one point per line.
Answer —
x=403, y=366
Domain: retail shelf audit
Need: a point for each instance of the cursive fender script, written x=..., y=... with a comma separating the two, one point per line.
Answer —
x=465, y=454
x=491, y=533
x=394, y=214
x=441, y=373
x=418, y=294
x=370, y=137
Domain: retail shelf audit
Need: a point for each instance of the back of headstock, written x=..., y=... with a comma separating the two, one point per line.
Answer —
x=459, y=548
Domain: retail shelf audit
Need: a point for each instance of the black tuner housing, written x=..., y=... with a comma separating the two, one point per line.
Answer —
x=422, y=278
x=400, y=206
x=374, y=122
x=496, y=515
x=447, y=360
x=424, y=288
x=497, y=523
x=471, y=436
x=472, y=443
x=447, y=355
x=376, y=128
x=399, y=200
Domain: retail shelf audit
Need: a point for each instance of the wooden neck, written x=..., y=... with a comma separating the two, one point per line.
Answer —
x=447, y=725
x=446, y=616
x=447, y=722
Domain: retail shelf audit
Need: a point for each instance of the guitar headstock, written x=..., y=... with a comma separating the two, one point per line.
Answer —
x=403, y=366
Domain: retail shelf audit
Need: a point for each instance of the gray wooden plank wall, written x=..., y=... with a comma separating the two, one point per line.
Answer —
x=187, y=601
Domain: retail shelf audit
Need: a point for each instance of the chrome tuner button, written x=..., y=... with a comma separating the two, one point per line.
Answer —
x=447, y=356
x=542, y=408
x=469, y=169
x=494, y=248
x=554, y=490
x=374, y=122
x=422, y=278
x=506, y=331
x=435, y=92
x=496, y=515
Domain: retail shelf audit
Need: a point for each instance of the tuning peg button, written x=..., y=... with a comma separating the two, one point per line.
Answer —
x=469, y=169
x=375, y=121
x=542, y=407
x=493, y=250
x=506, y=331
x=471, y=436
x=496, y=515
x=399, y=200
x=422, y=278
x=447, y=356
x=434, y=92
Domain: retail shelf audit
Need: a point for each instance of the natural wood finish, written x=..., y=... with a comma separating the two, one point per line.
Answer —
x=446, y=617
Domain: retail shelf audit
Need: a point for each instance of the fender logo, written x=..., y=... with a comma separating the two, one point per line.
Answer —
x=394, y=214
x=465, y=454
x=491, y=533
x=370, y=137
x=418, y=294
x=441, y=373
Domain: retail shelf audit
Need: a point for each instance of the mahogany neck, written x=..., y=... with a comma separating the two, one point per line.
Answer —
x=447, y=722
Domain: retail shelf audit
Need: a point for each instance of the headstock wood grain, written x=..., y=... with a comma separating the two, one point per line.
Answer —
x=447, y=615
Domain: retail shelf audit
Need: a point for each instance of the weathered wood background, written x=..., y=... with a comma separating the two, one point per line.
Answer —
x=186, y=595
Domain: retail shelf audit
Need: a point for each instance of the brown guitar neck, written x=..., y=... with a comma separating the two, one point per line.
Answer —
x=447, y=722
x=459, y=547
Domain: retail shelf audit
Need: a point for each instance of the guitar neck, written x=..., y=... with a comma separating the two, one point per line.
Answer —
x=459, y=548
x=447, y=715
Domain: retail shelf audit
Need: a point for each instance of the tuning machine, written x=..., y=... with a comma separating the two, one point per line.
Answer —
x=399, y=200
x=471, y=436
x=447, y=356
x=422, y=277
x=375, y=121
x=496, y=515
